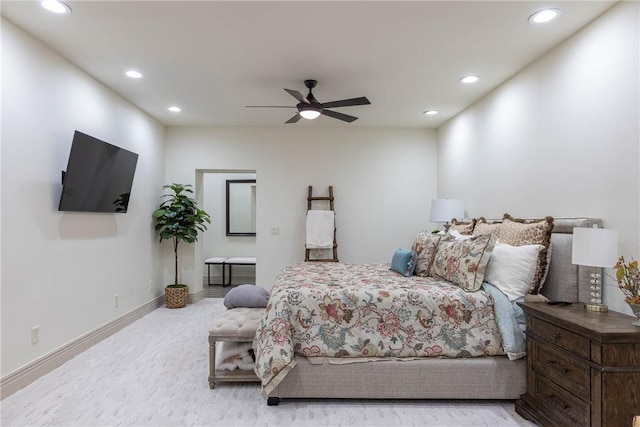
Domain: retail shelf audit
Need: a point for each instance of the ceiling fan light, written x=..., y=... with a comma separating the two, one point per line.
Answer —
x=310, y=113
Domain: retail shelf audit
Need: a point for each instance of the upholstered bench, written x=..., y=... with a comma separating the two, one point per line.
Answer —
x=237, y=325
x=216, y=260
x=224, y=262
x=238, y=261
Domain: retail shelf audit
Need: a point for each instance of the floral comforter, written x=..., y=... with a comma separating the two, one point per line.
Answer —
x=321, y=309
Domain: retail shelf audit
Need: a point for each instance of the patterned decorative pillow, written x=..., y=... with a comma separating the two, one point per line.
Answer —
x=463, y=227
x=425, y=246
x=404, y=262
x=463, y=262
x=483, y=227
x=518, y=232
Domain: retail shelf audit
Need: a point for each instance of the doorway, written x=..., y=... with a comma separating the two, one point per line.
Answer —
x=216, y=241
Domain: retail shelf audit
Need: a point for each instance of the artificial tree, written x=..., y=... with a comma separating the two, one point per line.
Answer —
x=178, y=218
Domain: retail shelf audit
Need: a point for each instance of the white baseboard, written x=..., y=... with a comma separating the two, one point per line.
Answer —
x=194, y=298
x=24, y=376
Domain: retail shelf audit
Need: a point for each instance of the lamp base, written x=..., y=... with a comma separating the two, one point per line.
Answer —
x=602, y=308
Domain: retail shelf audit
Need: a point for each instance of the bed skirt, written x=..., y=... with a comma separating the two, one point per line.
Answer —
x=470, y=378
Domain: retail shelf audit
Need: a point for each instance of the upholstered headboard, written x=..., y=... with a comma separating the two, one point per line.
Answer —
x=566, y=281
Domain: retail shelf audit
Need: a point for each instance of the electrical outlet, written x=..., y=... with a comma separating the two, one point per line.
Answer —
x=115, y=301
x=35, y=335
x=275, y=231
x=150, y=285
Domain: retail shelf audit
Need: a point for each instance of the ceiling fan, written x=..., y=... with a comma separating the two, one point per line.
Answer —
x=310, y=108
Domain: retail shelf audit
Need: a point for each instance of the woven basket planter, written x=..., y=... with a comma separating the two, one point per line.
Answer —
x=176, y=297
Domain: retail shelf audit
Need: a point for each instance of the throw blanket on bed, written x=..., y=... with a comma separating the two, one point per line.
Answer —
x=366, y=310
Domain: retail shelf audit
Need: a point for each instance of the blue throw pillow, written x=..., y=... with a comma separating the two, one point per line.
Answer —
x=404, y=262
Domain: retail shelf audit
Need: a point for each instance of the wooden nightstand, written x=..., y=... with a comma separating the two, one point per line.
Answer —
x=583, y=367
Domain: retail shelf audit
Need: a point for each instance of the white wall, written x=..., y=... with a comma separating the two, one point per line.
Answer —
x=561, y=138
x=60, y=271
x=384, y=180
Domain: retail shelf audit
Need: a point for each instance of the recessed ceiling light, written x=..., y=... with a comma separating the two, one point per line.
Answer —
x=431, y=112
x=56, y=6
x=469, y=79
x=175, y=109
x=134, y=74
x=543, y=16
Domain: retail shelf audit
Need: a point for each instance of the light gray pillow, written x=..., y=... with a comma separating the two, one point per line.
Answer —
x=251, y=296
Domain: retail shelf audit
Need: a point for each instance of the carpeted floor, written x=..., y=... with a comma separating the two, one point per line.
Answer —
x=154, y=373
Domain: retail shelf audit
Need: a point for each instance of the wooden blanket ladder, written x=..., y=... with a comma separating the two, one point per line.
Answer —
x=310, y=199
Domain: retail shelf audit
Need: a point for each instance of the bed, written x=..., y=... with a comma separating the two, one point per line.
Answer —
x=318, y=350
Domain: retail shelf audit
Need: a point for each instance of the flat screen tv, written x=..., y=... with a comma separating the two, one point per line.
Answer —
x=98, y=178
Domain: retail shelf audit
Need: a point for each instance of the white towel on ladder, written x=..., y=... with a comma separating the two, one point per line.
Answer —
x=320, y=227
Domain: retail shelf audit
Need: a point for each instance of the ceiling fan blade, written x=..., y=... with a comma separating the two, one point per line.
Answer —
x=297, y=95
x=347, y=102
x=269, y=106
x=293, y=119
x=339, y=116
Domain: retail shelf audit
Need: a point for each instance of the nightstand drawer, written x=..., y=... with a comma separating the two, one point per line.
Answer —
x=561, y=337
x=562, y=404
x=567, y=371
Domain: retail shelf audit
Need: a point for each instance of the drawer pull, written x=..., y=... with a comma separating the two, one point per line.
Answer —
x=555, y=337
x=555, y=366
x=553, y=399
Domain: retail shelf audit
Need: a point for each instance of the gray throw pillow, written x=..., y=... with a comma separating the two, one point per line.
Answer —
x=251, y=296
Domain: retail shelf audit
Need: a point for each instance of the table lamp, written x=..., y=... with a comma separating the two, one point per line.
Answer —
x=444, y=210
x=595, y=247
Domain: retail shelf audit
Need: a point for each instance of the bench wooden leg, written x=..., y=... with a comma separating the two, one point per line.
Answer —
x=212, y=364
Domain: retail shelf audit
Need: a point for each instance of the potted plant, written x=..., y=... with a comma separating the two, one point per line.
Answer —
x=178, y=218
x=628, y=277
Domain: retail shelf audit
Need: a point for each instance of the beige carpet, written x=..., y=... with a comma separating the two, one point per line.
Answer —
x=154, y=373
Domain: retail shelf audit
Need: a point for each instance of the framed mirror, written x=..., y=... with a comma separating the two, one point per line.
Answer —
x=241, y=207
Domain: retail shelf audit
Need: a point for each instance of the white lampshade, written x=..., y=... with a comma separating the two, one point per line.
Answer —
x=595, y=247
x=444, y=210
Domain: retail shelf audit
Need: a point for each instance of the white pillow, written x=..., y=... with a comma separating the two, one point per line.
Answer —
x=512, y=268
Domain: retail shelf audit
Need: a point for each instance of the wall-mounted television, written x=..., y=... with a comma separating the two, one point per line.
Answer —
x=98, y=178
